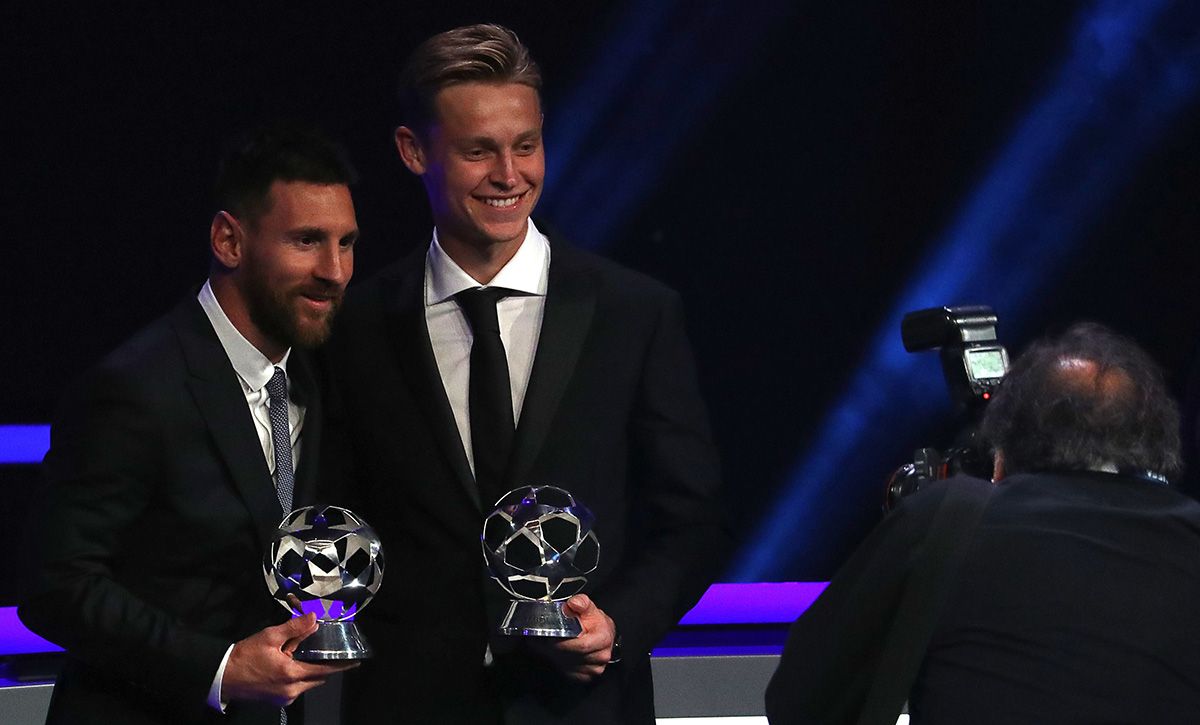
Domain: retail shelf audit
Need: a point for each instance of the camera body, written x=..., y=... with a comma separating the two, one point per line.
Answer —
x=973, y=364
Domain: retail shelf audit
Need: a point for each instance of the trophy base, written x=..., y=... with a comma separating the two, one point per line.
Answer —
x=539, y=619
x=333, y=641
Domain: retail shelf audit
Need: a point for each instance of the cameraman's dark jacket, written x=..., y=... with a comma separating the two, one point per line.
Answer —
x=1076, y=601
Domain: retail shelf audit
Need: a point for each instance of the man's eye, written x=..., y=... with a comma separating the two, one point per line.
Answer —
x=475, y=153
x=527, y=148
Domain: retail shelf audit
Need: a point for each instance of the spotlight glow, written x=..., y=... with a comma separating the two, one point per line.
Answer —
x=1129, y=70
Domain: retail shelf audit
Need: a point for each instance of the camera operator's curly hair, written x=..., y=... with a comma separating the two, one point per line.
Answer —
x=1085, y=399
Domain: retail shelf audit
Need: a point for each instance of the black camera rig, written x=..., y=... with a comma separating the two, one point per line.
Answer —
x=973, y=364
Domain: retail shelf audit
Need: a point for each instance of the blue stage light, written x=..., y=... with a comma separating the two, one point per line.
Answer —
x=1129, y=70
x=23, y=443
x=661, y=68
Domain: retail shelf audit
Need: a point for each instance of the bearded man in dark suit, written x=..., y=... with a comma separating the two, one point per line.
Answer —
x=598, y=395
x=173, y=461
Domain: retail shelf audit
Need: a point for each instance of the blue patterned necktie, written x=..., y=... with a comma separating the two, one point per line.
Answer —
x=281, y=439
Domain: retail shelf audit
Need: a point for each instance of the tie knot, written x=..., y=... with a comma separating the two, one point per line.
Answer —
x=479, y=305
x=277, y=385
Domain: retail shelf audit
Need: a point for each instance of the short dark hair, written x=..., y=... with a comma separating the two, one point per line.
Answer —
x=284, y=151
x=485, y=53
x=1085, y=399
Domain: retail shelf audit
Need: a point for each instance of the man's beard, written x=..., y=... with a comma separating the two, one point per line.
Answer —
x=276, y=314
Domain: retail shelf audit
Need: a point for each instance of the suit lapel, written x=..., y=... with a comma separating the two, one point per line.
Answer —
x=406, y=302
x=222, y=404
x=304, y=392
x=570, y=302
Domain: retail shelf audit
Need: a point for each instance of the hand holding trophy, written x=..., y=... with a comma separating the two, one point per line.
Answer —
x=328, y=561
x=539, y=546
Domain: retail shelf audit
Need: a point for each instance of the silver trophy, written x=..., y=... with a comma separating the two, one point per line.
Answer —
x=539, y=546
x=328, y=561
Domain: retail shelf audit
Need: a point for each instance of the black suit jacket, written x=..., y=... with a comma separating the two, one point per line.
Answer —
x=1075, y=603
x=612, y=413
x=147, y=553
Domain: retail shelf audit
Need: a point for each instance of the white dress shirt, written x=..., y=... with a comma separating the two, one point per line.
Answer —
x=520, y=318
x=253, y=371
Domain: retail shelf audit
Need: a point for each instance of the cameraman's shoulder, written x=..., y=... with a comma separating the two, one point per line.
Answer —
x=926, y=502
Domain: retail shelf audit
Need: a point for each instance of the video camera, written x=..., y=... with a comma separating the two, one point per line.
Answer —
x=973, y=364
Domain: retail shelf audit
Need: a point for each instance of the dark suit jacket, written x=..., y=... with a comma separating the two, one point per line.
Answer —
x=147, y=553
x=612, y=413
x=1075, y=603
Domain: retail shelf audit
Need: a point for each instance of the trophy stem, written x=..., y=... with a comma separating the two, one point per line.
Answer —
x=333, y=641
x=540, y=618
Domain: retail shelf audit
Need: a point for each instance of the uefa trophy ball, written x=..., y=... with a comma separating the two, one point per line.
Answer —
x=539, y=546
x=328, y=561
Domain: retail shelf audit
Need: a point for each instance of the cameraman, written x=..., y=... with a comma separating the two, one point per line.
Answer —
x=1066, y=593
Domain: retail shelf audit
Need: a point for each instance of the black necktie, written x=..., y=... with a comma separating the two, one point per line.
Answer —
x=489, y=394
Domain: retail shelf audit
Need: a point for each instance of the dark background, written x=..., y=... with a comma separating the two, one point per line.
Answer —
x=835, y=143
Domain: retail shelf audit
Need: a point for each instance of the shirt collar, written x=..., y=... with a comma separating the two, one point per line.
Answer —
x=526, y=272
x=254, y=368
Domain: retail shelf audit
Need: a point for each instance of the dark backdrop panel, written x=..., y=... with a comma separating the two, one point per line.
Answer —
x=789, y=216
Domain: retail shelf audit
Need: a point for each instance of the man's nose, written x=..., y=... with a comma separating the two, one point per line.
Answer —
x=336, y=264
x=504, y=171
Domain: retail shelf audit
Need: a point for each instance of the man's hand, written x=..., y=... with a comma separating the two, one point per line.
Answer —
x=581, y=658
x=261, y=666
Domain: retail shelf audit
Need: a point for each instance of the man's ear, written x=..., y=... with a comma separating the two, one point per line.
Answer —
x=411, y=152
x=225, y=238
x=997, y=466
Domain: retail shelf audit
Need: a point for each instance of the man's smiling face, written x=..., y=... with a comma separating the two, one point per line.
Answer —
x=482, y=162
x=297, y=260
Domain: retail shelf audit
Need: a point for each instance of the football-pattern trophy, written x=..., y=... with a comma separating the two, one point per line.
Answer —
x=539, y=546
x=328, y=561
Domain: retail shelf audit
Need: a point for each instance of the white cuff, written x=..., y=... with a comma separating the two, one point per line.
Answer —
x=214, y=692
